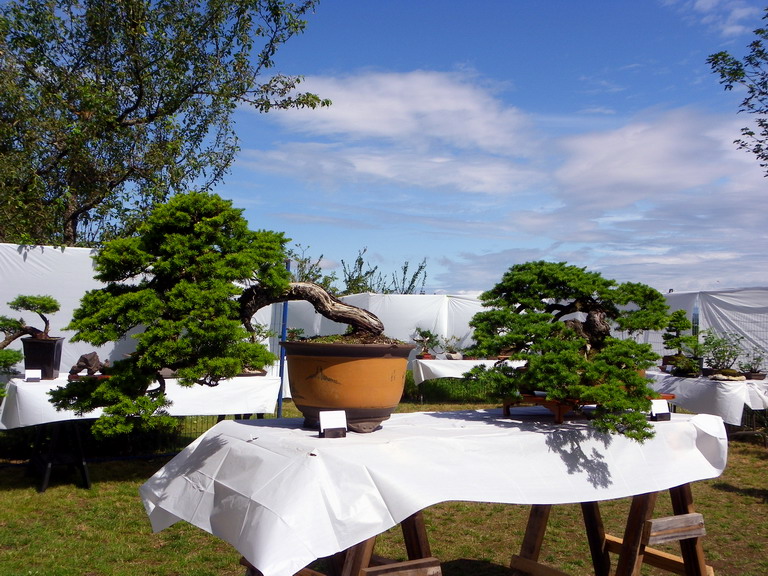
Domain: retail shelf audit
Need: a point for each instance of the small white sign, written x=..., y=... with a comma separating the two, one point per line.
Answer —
x=33, y=375
x=659, y=406
x=333, y=419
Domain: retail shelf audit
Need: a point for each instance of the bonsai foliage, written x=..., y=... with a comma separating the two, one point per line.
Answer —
x=16, y=328
x=752, y=361
x=427, y=340
x=559, y=319
x=675, y=337
x=721, y=351
x=686, y=346
x=173, y=290
x=40, y=305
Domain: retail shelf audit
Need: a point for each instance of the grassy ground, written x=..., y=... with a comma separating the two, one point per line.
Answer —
x=69, y=531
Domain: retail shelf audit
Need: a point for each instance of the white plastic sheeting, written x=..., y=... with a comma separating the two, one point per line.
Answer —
x=67, y=273
x=233, y=480
x=743, y=312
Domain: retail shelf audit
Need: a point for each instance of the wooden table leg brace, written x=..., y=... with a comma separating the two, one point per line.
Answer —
x=359, y=560
x=685, y=526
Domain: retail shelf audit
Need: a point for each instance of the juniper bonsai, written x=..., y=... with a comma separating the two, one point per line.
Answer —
x=185, y=289
x=560, y=319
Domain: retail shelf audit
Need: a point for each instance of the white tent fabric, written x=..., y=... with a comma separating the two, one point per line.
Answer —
x=67, y=273
x=743, y=312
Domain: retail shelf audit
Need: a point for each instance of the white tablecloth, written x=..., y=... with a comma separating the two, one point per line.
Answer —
x=28, y=403
x=724, y=398
x=283, y=497
x=429, y=369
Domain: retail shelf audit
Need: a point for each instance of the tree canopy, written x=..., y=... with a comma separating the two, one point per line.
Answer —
x=174, y=289
x=108, y=108
x=559, y=319
x=750, y=73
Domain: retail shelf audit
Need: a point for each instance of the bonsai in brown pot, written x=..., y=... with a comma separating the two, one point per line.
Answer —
x=361, y=372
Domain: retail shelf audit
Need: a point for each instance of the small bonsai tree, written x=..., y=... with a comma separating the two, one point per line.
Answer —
x=558, y=318
x=185, y=289
x=40, y=305
x=686, y=346
x=720, y=351
x=427, y=341
x=675, y=337
x=13, y=329
x=752, y=363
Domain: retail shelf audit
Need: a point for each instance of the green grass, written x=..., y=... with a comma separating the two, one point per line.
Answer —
x=104, y=531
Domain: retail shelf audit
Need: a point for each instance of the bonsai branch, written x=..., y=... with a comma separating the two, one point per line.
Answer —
x=256, y=297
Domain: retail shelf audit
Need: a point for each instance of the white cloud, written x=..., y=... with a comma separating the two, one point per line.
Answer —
x=421, y=108
x=730, y=18
x=657, y=198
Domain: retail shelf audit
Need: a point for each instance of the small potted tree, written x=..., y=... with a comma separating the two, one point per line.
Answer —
x=558, y=319
x=752, y=364
x=41, y=351
x=720, y=352
x=685, y=361
x=427, y=341
x=450, y=346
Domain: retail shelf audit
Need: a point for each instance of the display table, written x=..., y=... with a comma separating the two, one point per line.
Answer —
x=724, y=398
x=429, y=369
x=283, y=497
x=28, y=403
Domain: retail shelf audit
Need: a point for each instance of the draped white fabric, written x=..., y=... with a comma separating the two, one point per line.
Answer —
x=233, y=480
x=28, y=403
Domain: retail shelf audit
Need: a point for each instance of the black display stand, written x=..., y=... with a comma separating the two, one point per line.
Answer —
x=58, y=444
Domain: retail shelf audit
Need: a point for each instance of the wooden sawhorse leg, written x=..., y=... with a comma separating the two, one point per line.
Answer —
x=358, y=559
x=527, y=562
x=641, y=532
x=685, y=527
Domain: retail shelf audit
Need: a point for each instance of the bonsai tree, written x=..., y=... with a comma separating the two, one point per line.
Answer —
x=559, y=318
x=753, y=361
x=686, y=346
x=720, y=351
x=426, y=340
x=40, y=305
x=13, y=329
x=185, y=289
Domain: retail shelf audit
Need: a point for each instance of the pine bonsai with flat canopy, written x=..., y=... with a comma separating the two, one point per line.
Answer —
x=185, y=289
x=559, y=318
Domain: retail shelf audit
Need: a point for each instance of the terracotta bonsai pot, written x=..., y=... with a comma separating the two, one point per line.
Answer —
x=364, y=380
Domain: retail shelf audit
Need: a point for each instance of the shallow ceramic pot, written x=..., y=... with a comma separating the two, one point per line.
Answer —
x=364, y=380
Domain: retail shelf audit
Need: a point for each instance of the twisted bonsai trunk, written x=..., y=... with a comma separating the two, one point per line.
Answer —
x=256, y=297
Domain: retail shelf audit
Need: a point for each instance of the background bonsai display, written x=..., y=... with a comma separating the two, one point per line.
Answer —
x=752, y=363
x=185, y=289
x=559, y=318
x=720, y=351
x=13, y=329
x=686, y=361
x=427, y=342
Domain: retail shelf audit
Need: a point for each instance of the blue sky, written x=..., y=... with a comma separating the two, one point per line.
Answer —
x=484, y=134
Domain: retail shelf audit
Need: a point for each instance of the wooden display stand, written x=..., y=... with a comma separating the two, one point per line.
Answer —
x=633, y=550
x=359, y=560
x=686, y=526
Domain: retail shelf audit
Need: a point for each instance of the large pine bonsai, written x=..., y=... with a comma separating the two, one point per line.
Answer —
x=559, y=319
x=185, y=289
